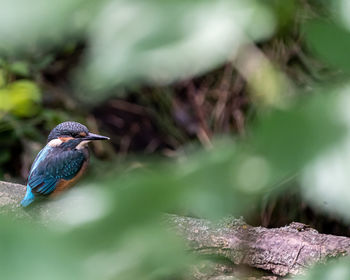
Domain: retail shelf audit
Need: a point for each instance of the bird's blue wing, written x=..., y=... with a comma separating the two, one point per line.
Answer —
x=51, y=166
x=29, y=196
x=41, y=155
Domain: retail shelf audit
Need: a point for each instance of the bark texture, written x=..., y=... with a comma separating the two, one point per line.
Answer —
x=282, y=251
x=286, y=250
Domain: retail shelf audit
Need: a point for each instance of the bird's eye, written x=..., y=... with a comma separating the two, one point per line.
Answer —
x=80, y=135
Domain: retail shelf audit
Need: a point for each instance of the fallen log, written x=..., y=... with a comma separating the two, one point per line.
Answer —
x=282, y=251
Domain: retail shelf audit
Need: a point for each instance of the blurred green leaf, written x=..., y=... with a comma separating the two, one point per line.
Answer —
x=290, y=138
x=329, y=40
x=144, y=252
x=162, y=41
x=20, y=68
x=21, y=98
x=336, y=269
x=35, y=253
x=325, y=181
x=23, y=28
x=285, y=12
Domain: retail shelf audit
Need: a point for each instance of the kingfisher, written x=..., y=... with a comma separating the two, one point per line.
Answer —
x=61, y=162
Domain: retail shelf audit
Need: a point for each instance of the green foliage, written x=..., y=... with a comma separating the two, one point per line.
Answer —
x=162, y=41
x=329, y=41
x=114, y=232
x=149, y=41
x=33, y=253
x=20, y=68
x=335, y=270
x=20, y=98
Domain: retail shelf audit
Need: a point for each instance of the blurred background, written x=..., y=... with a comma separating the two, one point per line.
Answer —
x=214, y=109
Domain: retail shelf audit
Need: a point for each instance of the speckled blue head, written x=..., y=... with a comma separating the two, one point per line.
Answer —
x=73, y=130
x=68, y=129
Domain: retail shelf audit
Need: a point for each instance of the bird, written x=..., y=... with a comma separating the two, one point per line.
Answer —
x=61, y=162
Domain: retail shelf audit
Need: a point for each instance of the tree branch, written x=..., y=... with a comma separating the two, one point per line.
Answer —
x=282, y=251
x=286, y=250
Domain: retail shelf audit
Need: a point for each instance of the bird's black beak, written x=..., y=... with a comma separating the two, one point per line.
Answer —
x=92, y=136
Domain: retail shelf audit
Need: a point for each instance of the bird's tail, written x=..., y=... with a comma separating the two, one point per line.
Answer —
x=28, y=198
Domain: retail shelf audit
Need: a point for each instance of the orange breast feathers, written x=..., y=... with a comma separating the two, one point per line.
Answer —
x=65, y=184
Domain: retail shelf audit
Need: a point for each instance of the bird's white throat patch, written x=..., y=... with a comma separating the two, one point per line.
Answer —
x=55, y=142
x=82, y=144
